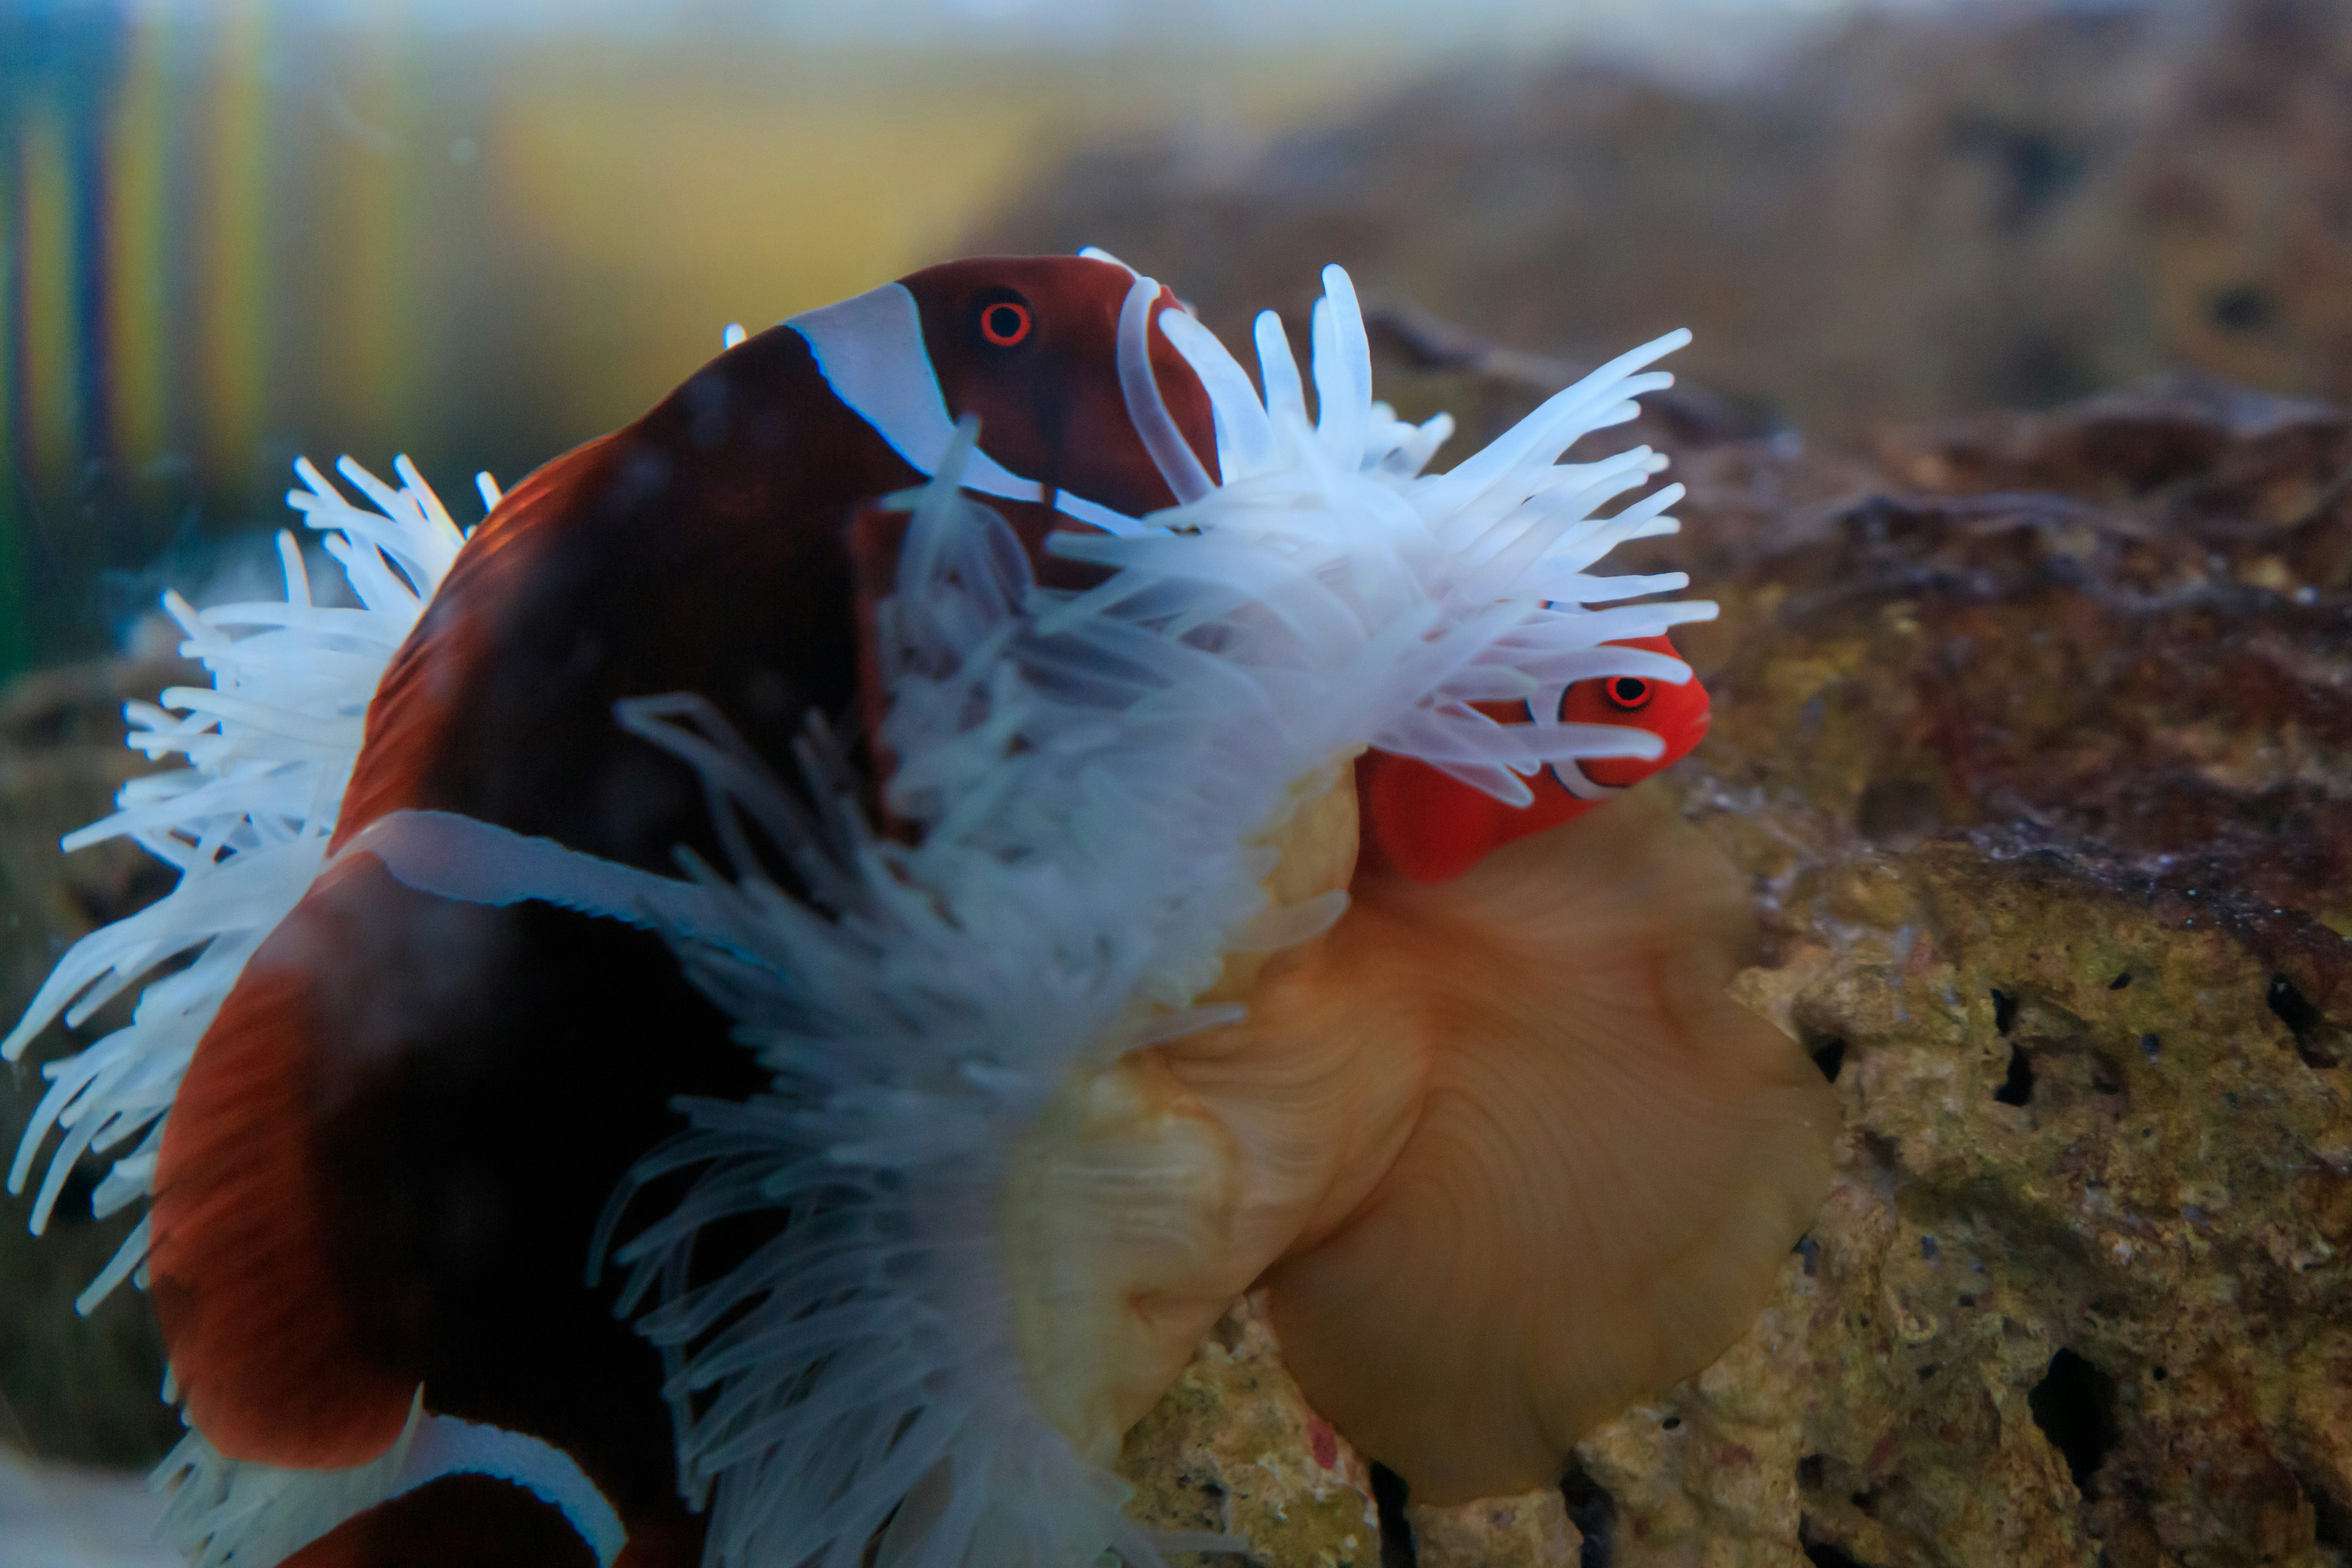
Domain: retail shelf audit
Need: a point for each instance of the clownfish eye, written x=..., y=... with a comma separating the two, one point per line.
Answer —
x=1004, y=322
x=1626, y=690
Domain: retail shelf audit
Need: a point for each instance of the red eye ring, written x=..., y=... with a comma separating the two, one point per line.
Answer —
x=1004, y=323
x=1626, y=690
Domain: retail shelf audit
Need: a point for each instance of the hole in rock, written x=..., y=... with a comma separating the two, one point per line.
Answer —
x=2004, y=1011
x=2075, y=1406
x=1810, y=1473
x=1830, y=1057
x=1594, y=1514
x=2302, y=1020
x=1810, y=1251
x=1899, y=811
x=2333, y=1521
x=1396, y=1533
x=2016, y=1087
x=1824, y=1553
x=2296, y=1013
x=2120, y=981
x=2242, y=308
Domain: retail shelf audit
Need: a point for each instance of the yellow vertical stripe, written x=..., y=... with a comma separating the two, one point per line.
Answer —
x=234, y=291
x=378, y=231
x=137, y=222
x=50, y=329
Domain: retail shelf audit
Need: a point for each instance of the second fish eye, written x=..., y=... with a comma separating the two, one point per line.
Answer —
x=1626, y=690
x=1004, y=322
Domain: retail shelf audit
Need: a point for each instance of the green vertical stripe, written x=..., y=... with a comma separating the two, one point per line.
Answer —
x=16, y=632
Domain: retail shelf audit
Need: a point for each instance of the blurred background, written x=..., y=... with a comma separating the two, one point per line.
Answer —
x=481, y=231
x=234, y=231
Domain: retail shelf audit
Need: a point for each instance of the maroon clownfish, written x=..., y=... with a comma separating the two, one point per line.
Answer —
x=1431, y=827
x=389, y=1153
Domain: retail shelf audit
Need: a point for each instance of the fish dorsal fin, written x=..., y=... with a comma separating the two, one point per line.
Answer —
x=1610, y=1161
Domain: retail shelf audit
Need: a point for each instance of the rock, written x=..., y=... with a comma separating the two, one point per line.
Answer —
x=1531, y=1531
x=2037, y=738
x=1937, y=209
x=2065, y=1205
x=1232, y=1447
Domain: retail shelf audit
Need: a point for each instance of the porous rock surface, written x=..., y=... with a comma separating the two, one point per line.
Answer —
x=1233, y=1448
x=2035, y=734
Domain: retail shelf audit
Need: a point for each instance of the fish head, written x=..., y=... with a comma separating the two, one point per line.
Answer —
x=1432, y=827
x=1032, y=347
x=1677, y=713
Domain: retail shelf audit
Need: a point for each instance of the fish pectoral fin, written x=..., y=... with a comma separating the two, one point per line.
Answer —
x=1608, y=1168
x=262, y=1340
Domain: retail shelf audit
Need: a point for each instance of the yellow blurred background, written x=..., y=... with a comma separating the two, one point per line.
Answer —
x=233, y=231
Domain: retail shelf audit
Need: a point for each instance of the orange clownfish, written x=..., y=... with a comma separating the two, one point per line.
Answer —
x=1431, y=827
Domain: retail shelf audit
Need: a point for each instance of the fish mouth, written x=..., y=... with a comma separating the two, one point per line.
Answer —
x=1608, y=775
